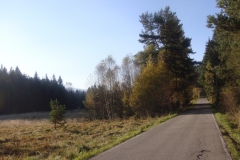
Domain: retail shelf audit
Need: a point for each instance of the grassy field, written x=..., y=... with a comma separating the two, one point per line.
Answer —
x=230, y=132
x=32, y=136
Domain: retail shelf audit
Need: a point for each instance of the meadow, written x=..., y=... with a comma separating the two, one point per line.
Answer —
x=31, y=136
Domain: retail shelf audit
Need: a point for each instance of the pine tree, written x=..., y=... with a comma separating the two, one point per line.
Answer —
x=164, y=30
x=57, y=113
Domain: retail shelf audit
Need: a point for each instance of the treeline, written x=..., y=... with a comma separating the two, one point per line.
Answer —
x=220, y=70
x=156, y=81
x=20, y=93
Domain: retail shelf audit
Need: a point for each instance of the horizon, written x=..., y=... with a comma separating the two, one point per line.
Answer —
x=69, y=39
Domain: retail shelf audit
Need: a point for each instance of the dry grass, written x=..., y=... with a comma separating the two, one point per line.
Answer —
x=79, y=139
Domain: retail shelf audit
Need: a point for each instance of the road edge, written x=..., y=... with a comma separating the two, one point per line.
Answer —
x=221, y=138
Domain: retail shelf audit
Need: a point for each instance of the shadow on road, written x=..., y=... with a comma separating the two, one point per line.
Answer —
x=199, y=109
x=202, y=104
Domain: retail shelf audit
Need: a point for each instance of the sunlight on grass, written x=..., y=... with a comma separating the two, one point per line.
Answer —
x=230, y=133
x=79, y=139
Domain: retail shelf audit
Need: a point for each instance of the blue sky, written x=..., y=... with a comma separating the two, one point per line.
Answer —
x=69, y=38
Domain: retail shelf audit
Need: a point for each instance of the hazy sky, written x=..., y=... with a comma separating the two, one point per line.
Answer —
x=69, y=38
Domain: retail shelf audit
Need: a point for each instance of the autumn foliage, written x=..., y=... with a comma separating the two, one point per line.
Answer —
x=156, y=81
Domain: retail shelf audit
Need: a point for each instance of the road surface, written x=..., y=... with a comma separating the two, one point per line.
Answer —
x=193, y=135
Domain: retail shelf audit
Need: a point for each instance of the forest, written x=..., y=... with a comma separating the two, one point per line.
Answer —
x=20, y=93
x=148, y=88
x=163, y=78
x=156, y=81
x=219, y=73
x=160, y=79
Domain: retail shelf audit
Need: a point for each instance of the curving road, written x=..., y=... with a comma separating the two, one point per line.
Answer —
x=193, y=135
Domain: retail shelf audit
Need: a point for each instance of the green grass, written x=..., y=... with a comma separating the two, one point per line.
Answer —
x=230, y=133
x=194, y=101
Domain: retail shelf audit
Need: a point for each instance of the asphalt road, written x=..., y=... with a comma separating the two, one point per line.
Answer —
x=193, y=135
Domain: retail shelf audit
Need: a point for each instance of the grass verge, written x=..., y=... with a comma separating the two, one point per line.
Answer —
x=230, y=134
x=194, y=101
x=32, y=140
x=148, y=124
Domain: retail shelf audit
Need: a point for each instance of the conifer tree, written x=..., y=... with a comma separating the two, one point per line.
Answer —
x=57, y=113
x=226, y=26
x=164, y=30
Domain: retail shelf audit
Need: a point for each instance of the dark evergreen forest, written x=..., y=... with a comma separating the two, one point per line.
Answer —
x=20, y=93
x=219, y=73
